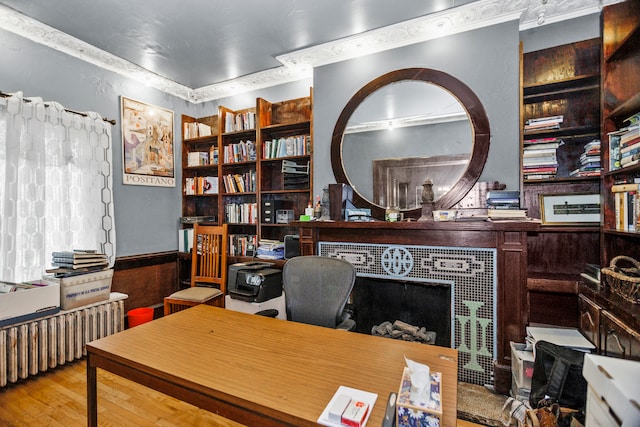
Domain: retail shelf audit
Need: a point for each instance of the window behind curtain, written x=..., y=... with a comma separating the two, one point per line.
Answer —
x=56, y=190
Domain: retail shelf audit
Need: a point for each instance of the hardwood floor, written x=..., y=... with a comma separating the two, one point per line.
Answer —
x=58, y=398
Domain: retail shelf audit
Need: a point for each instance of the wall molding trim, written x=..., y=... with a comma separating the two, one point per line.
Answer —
x=298, y=65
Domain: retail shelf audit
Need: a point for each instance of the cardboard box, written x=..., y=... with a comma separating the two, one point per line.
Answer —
x=613, y=394
x=83, y=289
x=521, y=365
x=21, y=305
x=411, y=414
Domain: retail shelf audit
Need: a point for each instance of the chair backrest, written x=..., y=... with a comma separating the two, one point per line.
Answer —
x=209, y=255
x=317, y=288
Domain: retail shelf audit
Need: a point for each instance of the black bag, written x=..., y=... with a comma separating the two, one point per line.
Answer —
x=557, y=376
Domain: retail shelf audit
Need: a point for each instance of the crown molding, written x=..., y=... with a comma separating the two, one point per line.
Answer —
x=299, y=64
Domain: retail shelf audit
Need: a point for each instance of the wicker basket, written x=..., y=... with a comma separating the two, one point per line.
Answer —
x=623, y=281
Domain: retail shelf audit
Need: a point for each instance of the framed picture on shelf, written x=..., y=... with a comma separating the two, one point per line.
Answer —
x=147, y=144
x=570, y=209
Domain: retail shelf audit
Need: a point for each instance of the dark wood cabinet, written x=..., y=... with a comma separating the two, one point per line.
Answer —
x=617, y=338
x=589, y=321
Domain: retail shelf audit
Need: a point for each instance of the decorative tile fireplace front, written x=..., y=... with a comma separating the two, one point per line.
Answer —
x=471, y=274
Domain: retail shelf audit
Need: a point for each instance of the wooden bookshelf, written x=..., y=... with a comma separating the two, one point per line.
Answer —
x=560, y=81
x=611, y=322
x=262, y=176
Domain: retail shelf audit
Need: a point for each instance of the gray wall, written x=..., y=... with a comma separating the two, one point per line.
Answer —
x=146, y=217
x=486, y=60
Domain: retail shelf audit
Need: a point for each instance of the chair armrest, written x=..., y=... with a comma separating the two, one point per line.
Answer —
x=270, y=312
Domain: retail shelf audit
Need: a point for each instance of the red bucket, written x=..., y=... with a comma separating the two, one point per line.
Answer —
x=138, y=316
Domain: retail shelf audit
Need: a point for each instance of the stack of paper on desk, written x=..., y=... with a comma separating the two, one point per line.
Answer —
x=566, y=337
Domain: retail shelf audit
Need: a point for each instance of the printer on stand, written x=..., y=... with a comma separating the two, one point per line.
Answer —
x=255, y=286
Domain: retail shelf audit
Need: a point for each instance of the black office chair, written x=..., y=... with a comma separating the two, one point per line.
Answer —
x=316, y=291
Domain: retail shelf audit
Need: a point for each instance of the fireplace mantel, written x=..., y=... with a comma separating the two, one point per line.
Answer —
x=508, y=238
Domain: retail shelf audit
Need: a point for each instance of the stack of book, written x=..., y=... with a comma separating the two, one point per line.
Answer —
x=69, y=263
x=270, y=249
x=503, y=199
x=543, y=123
x=624, y=144
x=539, y=158
x=589, y=164
x=504, y=205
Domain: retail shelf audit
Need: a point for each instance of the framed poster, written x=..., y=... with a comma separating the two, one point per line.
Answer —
x=570, y=209
x=147, y=144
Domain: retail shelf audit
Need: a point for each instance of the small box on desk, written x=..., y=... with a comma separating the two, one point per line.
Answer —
x=410, y=413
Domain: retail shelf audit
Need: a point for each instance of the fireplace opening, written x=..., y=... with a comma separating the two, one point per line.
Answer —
x=425, y=305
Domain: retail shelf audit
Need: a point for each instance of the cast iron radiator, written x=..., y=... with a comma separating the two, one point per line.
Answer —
x=34, y=346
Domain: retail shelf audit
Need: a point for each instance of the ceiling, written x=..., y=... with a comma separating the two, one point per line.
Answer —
x=202, y=50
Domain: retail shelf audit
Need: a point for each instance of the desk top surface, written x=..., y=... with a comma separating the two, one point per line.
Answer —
x=276, y=368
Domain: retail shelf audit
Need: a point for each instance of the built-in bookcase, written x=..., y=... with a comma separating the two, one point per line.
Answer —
x=245, y=160
x=620, y=100
x=560, y=127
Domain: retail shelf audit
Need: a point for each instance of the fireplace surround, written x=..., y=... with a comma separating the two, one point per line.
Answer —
x=470, y=273
x=486, y=318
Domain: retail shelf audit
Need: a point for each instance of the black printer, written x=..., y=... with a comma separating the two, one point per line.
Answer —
x=254, y=281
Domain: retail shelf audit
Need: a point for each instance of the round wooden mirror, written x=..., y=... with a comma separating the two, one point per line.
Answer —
x=404, y=127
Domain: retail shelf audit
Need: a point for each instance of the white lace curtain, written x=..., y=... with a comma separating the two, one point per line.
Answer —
x=56, y=190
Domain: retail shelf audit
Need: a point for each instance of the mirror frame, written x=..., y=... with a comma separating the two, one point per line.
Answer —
x=479, y=127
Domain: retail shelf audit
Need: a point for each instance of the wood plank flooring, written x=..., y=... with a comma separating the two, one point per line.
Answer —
x=58, y=399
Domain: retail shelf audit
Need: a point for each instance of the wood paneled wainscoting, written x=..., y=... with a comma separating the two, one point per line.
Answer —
x=146, y=279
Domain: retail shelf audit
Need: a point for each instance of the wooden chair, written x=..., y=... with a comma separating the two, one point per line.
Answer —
x=208, y=270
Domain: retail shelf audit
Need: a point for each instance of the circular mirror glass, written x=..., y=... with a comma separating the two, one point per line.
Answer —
x=402, y=134
x=406, y=127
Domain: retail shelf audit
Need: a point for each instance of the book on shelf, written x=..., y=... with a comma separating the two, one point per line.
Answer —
x=196, y=130
x=631, y=186
x=541, y=141
x=79, y=254
x=546, y=152
x=627, y=210
x=242, y=244
x=630, y=149
x=241, y=213
x=197, y=158
x=84, y=265
x=506, y=214
x=235, y=122
x=243, y=151
x=554, y=119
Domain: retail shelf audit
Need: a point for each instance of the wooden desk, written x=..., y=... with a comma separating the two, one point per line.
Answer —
x=261, y=371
